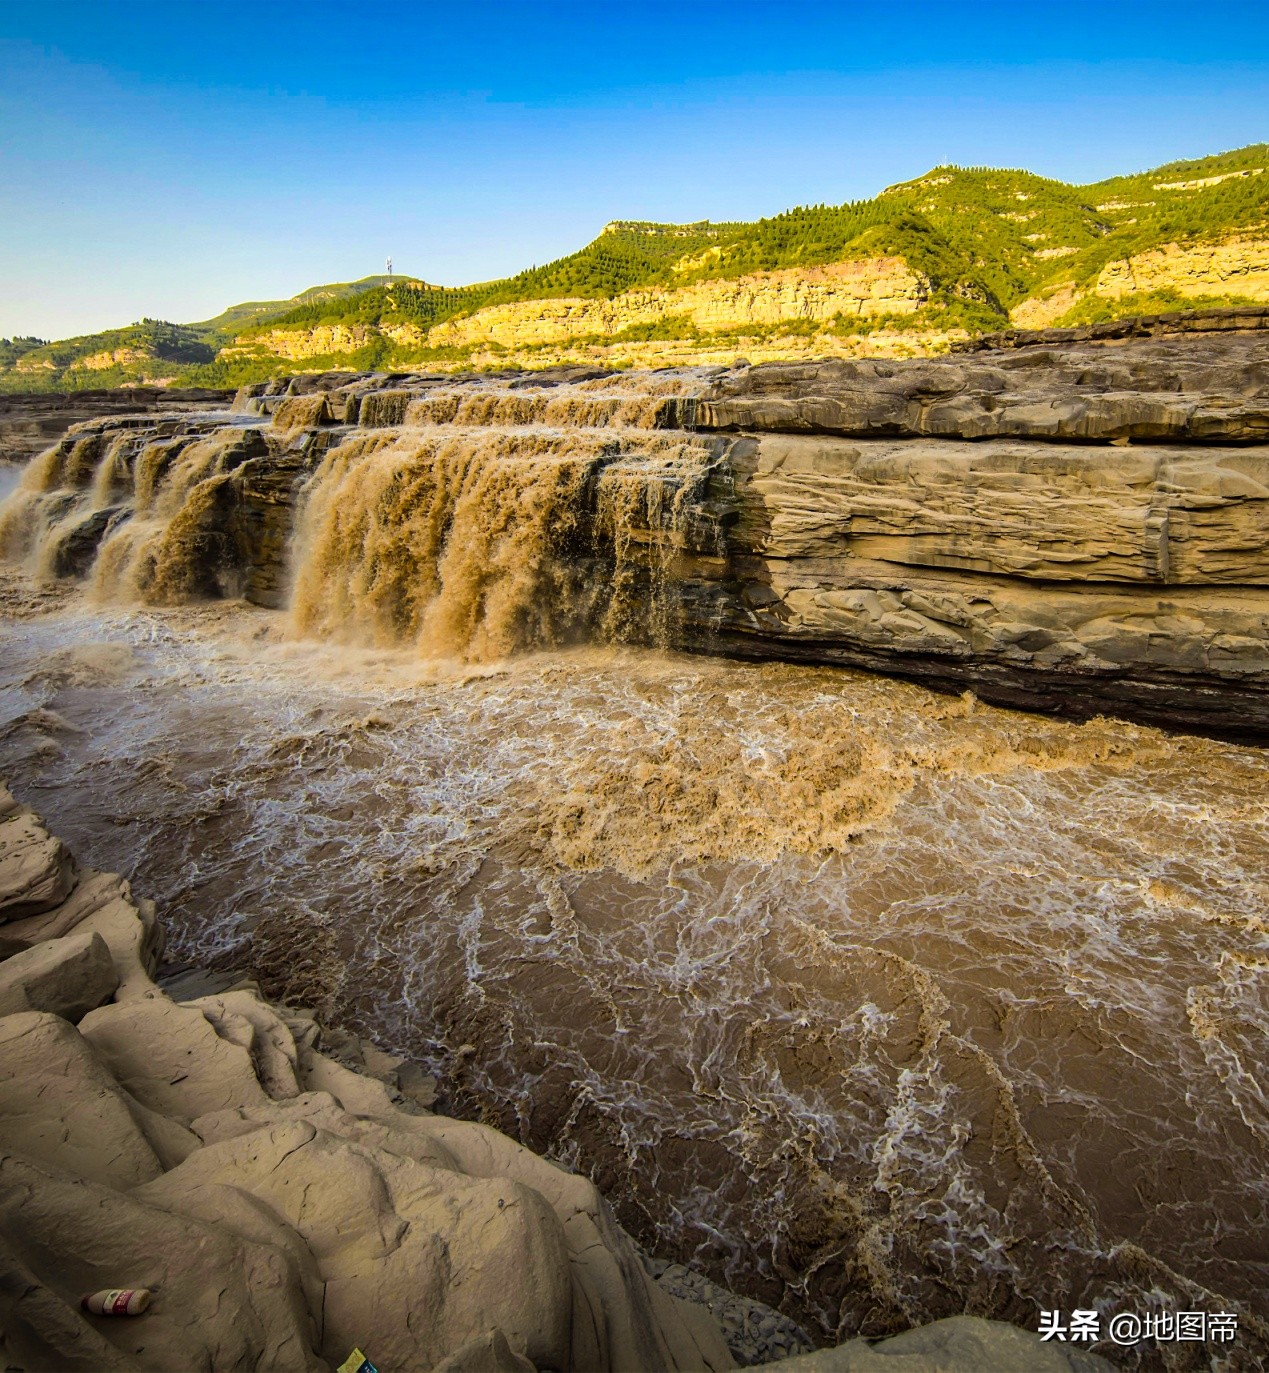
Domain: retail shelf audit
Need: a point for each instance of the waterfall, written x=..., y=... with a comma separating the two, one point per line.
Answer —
x=469, y=519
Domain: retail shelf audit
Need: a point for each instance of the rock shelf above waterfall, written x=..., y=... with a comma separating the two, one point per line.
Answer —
x=1075, y=526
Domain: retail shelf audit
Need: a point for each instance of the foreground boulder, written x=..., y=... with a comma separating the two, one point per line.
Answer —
x=224, y=1302
x=67, y=977
x=60, y=1104
x=283, y=1208
x=36, y=870
x=415, y=1259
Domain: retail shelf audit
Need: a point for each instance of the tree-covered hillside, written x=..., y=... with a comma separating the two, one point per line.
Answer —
x=984, y=239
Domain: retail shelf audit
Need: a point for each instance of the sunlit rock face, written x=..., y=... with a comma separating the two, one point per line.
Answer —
x=1235, y=266
x=852, y=290
x=1079, y=528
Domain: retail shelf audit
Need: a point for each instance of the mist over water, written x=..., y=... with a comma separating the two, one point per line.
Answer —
x=877, y=1004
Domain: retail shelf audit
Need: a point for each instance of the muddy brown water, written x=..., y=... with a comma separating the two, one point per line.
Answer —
x=876, y=1004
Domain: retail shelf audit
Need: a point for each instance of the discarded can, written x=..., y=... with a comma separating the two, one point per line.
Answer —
x=117, y=1301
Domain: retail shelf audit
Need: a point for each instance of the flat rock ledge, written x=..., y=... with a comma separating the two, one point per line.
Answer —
x=286, y=1207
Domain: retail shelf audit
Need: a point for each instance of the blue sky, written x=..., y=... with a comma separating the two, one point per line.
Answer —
x=171, y=159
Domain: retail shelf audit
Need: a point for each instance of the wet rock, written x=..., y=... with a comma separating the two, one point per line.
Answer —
x=621, y=1318
x=353, y=1090
x=348, y=1212
x=417, y=1086
x=183, y=982
x=78, y=546
x=184, y=1148
x=872, y=513
x=755, y=1333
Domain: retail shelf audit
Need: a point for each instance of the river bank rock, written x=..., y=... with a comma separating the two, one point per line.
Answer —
x=1189, y=388
x=281, y=1205
x=285, y=1208
x=958, y=1342
x=1069, y=521
x=1069, y=525
x=68, y=977
x=30, y=421
x=37, y=872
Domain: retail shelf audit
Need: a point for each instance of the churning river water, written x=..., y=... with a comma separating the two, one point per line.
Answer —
x=876, y=1004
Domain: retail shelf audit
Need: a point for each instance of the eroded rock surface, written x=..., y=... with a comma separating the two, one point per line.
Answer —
x=958, y=1342
x=1200, y=389
x=1075, y=528
x=283, y=1207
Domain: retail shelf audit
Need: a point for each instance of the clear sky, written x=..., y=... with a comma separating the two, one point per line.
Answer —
x=171, y=159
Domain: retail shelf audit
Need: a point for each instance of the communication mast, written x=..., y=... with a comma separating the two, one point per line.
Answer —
x=389, y=266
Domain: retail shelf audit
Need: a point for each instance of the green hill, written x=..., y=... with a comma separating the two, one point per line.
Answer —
x=238, y=315
x=983, y=240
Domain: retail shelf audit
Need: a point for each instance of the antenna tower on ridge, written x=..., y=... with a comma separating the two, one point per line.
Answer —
x=389, y=266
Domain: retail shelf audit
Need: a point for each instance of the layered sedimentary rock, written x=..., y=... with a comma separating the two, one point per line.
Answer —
x=1209, y=389
x=1238, y=266
x=29, y=422
x=1235, y=267
x=1209, y=321
x=853, y=290
x=1104, y=551
x=1076, y=525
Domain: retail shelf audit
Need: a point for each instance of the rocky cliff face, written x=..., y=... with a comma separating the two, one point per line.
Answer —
x=1233, y=267
x=853, y=289
x=30, y=422
x=767, y=314
x=1078, y=525
x=1237, y=266
x=760, y=301
x=1104, y=552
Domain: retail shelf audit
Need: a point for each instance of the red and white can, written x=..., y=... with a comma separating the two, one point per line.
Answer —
x=117, y=1301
